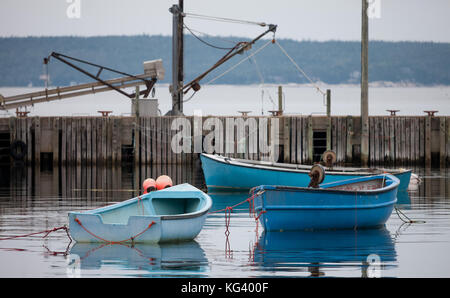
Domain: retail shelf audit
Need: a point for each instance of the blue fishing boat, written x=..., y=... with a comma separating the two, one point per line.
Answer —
x=176, y=213
x=361, y=202
x=224, y=173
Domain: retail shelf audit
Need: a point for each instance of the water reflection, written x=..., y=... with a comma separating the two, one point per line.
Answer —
x=91, y=182
x=403, y=198
x=156, y=260
x=221, y=200
x=318, y=251
x=34, y=199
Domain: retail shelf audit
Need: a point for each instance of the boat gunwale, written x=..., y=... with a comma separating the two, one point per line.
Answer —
x=117, y=205
x=327, y=207
x=384, y=189
x=329, y=171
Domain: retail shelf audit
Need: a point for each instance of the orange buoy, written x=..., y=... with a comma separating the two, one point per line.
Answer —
x=163, y=181
x=149, y=185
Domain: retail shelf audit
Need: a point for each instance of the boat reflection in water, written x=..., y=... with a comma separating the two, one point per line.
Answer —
x=316, y=253
x=403, y=198
x=185, y=259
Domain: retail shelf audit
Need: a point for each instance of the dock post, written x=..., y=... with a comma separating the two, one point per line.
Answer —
x=328, y=119
x=364, y=86
x=280, y=100
x=177, y=58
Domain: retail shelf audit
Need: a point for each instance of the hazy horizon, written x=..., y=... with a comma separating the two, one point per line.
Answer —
x=322, y=20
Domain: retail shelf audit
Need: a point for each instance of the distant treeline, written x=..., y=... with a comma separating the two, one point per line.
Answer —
x=333, y=62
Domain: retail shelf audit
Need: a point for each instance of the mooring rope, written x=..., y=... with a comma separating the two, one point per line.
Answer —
x=251, y=211
x=47, y=232
x=408, y=220
x=115, y=242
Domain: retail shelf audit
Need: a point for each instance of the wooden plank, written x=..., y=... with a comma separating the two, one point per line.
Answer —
x=413, y=141
x=145, y=148
x=305, y=140
x=78, y=141
x=164, y=140
x=385, y=142
x=428, y=141
x=62, y=155
x=391, y=140
x=334, y=134
x=403, y=141
x=408, y=143
x=343, y=129
x=349, y=145
x=299, y=137
x=29, y=140
x=104, y=130
x=136, y=147
x=422, y=139
x=418, y=140
x=158, y=142
x=55, y=140
x=83, y=141
x=442, y=139
x=73, y=153
x=286, y=138
x=329, y=133
x=292, y=140
x=371, y=141
x=377, y=147
x=447, y=121
x=310, y=140
x=37, y=140
x=93, y=144
x=397, y=141
x=116, y=140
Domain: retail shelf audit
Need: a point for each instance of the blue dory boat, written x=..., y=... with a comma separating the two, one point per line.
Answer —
x=224, y=173
x=356, y=203
x=172, y=214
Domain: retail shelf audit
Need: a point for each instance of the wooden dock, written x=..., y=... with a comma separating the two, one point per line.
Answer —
x=95, y=141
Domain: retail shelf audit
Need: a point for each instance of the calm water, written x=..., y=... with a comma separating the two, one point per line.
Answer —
x=32, y=200
x=228, y=100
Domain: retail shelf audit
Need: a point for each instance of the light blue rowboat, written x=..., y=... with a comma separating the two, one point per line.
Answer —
x=232, y=174
x=362, y=202
x=172, y=214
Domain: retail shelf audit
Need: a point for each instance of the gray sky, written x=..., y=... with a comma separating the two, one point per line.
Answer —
x=416, y=20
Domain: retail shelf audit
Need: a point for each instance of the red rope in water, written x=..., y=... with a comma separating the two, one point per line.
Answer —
x=114, y=242
x=47, y=232
x=228, y=210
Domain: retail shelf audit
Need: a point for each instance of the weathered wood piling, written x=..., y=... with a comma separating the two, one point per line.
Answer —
x=92, y=141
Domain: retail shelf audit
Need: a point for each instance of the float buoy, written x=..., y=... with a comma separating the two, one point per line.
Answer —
x=163, y=181
x=149, y=185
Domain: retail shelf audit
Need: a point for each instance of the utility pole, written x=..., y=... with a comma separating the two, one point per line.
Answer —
x=364, y=85
x=177, y=58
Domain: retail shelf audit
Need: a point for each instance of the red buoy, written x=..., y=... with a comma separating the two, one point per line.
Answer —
x=163, y=181
x=149, y=185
